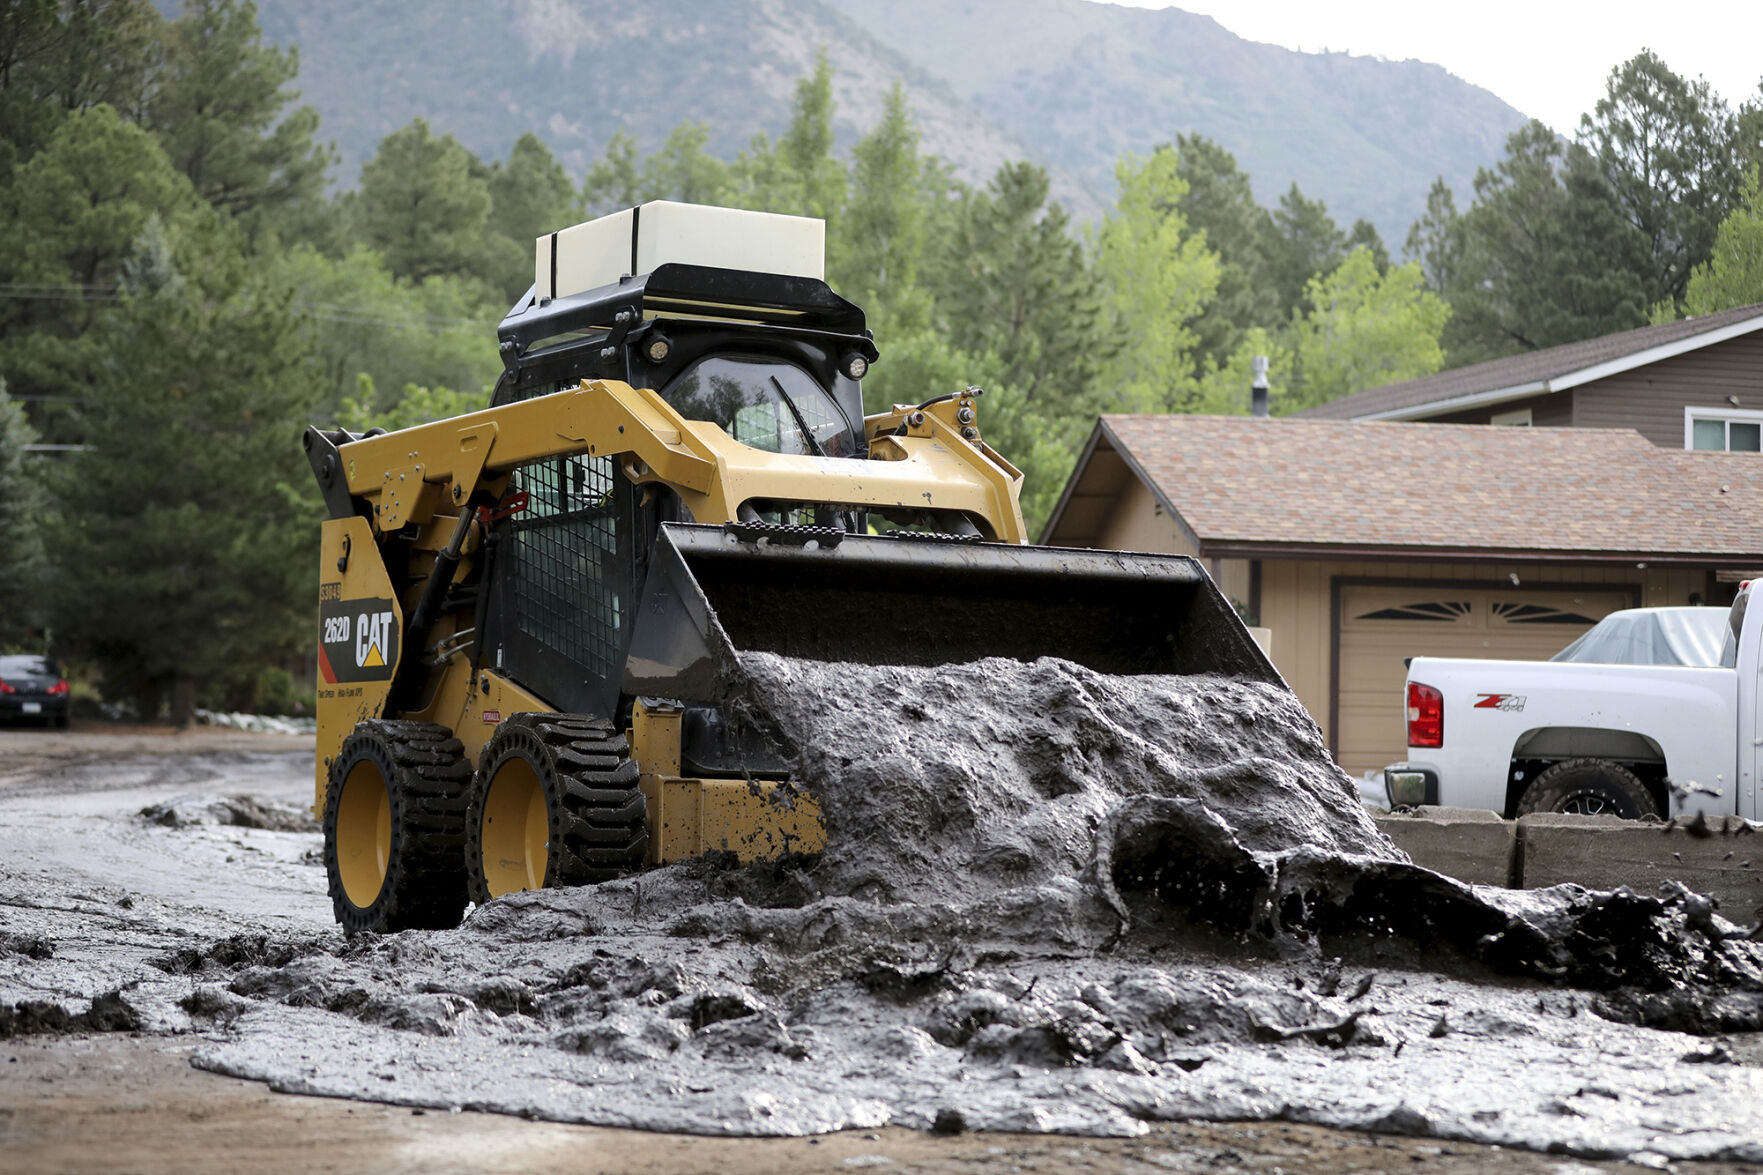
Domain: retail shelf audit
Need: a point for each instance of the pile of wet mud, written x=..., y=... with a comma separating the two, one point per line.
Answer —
x=1052, y=901
x=196, y=809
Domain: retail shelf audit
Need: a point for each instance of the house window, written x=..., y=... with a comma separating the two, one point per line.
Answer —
x=1723, y=430
x=1518, y=416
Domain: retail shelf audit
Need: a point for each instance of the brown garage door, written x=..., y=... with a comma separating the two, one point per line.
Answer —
x=1382, y=625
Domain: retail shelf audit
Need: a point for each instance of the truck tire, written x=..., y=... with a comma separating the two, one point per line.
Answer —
x=1589, y=786
x=555, y=803
x=394, y=827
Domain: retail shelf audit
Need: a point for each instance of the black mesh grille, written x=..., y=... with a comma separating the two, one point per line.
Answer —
x=565, y=572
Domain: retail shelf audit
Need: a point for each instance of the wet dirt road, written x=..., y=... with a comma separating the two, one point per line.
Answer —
x=90, y=889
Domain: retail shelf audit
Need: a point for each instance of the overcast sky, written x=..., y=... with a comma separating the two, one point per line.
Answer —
x=1549, y=58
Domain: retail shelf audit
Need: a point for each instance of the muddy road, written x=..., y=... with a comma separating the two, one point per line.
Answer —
x=163, y=923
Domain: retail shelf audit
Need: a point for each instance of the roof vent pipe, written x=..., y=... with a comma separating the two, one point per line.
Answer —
x=1258, y=389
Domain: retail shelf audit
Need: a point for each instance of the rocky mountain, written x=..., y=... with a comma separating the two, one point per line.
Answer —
x=1068, y=83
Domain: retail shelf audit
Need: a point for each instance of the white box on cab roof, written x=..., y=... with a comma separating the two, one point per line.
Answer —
x=636, y=240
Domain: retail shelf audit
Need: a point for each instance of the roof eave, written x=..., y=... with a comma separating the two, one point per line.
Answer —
x=1252, y=549
x=1571, y=379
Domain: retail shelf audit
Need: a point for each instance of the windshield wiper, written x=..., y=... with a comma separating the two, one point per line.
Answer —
x=796, y=414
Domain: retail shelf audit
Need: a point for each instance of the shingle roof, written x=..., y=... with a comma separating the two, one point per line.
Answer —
x=1238, y=480
x=1522, y=373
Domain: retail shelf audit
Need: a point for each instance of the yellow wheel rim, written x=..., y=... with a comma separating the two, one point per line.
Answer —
x=364, y=833
x=516, y=830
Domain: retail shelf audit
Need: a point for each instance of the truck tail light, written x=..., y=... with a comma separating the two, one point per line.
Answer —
x=6, y=689
x=58, y=688
x=1426, y=716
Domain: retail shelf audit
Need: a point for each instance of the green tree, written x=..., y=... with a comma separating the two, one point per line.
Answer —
x=881, y=232
x=1546, y=256
x=1668, y=150
x=1220, y=204
x=1365, y=330
x=806, y=149
x=23, y=601
x=184, y=532
x=616, y=179
x=1733, y=276
x=58, y=57
x=1435, y=241
x=1159, y=277
x=425, y=205
x=359, y=322
x=798, y=174
x=1014, y=282
x=530, y=196
x=77, y=208
x=221, y=112
x=1305, y=242
x=1364, y=235
x=683, y=170
x=68, y=225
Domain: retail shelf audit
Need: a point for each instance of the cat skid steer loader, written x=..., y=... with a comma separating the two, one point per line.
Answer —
x=532, y=617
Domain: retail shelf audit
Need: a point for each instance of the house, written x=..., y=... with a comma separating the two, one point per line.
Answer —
x=1362, y=543
x=1692, y=384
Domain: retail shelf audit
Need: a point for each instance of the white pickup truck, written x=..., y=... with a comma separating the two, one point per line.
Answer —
x=1604, y=727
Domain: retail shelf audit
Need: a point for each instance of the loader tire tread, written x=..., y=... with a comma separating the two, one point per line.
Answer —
x=598, y=816
x=428, y=782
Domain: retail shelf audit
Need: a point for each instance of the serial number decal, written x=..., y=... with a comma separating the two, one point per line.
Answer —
x=1510, y=702
x=357, y=640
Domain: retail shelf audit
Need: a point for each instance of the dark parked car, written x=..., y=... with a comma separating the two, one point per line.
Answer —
x=32, y=689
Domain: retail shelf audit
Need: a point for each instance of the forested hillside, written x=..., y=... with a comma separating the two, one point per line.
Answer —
x=1081, y=83
x=1067, y=84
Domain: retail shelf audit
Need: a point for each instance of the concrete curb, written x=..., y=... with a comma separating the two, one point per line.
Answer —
x=1470, y=844
x=1722, y=858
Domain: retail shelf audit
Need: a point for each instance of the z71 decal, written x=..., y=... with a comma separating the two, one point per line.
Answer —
x=1512, y=702
x=357, y=640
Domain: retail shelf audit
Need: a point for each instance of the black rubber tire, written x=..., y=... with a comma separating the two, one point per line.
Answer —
x=1591, y=786
x=428, y=784
x=595, y=814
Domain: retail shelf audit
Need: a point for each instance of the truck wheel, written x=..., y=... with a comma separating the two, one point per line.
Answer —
x=394, y=827
x=1592, y=787
x=555, y=803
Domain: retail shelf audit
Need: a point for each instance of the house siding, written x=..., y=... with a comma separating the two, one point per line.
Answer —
x=1138, y=522
x=1553, y=410
x=1651, y=399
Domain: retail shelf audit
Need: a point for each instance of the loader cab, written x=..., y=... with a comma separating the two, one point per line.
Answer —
x=724, y=312
x=725, y=315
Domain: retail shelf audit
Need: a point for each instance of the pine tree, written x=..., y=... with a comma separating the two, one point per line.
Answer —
x=1305, y=243
x=1014, y=282
x=23, y=600
x=1220, y=204
x=57, y=58
x=1547, y=256
x=615, y=181
x=1435, y=240
x=425, y=205
x=1667, y=148
x=683, y=170
x=190, y=580
x=221, y=113
x=881, y=232
x=530, y=196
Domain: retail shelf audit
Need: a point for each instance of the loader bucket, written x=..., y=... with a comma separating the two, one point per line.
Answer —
x=713, y=594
